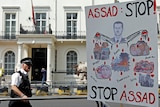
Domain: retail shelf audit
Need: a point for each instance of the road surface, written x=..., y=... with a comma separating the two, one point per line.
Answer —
x=68, y=103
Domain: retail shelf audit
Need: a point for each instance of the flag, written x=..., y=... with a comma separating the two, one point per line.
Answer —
x=34, y=22
x=155, y=6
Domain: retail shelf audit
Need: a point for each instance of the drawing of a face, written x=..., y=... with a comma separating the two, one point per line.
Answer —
x=118, y=28
x=141, y=46
x=105, y=44
x=106, y=72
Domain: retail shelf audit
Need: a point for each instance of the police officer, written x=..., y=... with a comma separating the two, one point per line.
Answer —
x=20, y=85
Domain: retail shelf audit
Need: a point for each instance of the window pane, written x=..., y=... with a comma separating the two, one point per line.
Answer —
x=7, y=23
x=74, y=31
x=7, y=29
x=68, y=16
x=37, y=23
x=37, y=16
x=13, y=16
x=43, y=15
x=13, y=23
x=68, y=23
x=43, y=23
x=68, y=29
x=74, y=23
x=74, y=15
x=7, y=16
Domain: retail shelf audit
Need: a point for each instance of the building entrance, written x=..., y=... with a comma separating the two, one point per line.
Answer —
x=39, y=57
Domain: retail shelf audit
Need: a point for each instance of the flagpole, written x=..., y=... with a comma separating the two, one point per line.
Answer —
x=33, y=17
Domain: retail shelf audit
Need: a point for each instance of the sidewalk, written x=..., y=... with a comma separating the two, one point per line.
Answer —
x=52, y=97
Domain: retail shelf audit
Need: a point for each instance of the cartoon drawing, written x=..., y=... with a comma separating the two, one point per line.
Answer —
x=121, y=63
x=144, y=67
x=139, y=49
x=101, y=52
x=97, y=51
x=146, y=80
x=103, y=72
x=118, y=29
x=105, y=51
x=145, y=34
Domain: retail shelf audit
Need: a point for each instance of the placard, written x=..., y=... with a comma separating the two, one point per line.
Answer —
x=122, y=53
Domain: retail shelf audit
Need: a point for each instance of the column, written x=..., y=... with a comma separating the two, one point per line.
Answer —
x=25, y=51
x=19, y=53
x=49, y=47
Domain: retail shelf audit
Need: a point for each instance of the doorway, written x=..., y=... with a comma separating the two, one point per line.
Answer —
x=39, y=56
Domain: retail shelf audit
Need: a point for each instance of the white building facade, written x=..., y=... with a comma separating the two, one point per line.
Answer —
x=54, y=37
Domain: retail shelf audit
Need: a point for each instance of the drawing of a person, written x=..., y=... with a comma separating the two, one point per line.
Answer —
x=118, y=29
x=105, y=51
x=142, y=48
x=133, y=50
x=106, y=72
x=103, y=72
x=97, y=51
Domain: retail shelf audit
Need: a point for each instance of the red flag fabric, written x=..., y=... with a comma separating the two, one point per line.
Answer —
x=34, y=22
x=155, y=6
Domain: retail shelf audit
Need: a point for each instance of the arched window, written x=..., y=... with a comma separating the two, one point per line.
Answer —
x=9, y=63
x=71, y=62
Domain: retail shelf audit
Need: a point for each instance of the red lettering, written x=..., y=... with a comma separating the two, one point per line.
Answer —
x=131, y=98
x=138, y=97
x=97, y=13
x=103, y=12
x=145, y=97
x=103, y=9
x=114, y=11
x=124, y=95
x=90, y=14
x=151, y=100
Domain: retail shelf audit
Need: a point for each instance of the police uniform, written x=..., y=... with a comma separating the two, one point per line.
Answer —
x=21, y=81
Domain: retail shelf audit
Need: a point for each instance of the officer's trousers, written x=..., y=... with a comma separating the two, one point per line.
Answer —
x=19, y=104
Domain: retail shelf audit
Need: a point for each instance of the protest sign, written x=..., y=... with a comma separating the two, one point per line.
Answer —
x=122, y=53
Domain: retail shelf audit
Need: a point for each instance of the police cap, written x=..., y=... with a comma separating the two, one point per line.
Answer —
x=27, y=61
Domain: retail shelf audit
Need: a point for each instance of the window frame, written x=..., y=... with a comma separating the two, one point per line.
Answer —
x=71, y=62
x=41, y=10
x=10, y=10
x=11, y=32
x=73, y=28
x=9, y=62
x=41, y=28
x=72, y=9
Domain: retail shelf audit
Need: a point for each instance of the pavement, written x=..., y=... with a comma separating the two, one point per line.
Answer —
x=51, y=97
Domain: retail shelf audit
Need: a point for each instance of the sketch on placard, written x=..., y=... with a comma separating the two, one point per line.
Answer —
x=97, y=51
x=144, y=67
x=103, y=72
x=101, y=52
x=121, y=63
x=139, y=49
x=145, y=80
x=118, y=38
x=105, y=51
x=126, y=55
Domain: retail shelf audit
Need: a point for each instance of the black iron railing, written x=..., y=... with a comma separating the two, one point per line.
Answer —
x=57, y=34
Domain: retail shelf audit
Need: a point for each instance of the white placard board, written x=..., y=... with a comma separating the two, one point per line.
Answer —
x=122, y=53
